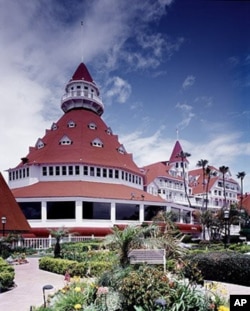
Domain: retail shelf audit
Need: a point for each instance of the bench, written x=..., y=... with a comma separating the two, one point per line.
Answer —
x=149, y=256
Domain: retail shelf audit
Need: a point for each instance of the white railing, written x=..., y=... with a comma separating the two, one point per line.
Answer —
x=46, y=243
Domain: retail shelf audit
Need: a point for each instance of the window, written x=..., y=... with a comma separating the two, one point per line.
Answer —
x=71, y=124
x=109, y=131
x=51, y=170
x=127, y=211
x=97, y=143
x=64, y=170
x=116, y=174
x=110, y=173
x=104, y=172
x=92, y=126
x=61, y=210
x=53, y=127
x=92, y=171
x=121, y=150
x=85, y=170
x=77, y=169
x=98, y=172
x=65, y=140
x=70, y=170
x=150, y=211
x=57, y=170
x=31, y=210
x=40, y=144
x=44, y=171
x=95, y=210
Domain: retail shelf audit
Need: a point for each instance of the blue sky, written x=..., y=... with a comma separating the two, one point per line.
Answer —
x=160, y=65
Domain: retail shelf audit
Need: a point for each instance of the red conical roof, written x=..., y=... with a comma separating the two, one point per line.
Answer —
x=9, y=208
x=176, y=151
x=82, y=73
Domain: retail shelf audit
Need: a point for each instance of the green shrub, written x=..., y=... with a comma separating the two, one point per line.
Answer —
x=83, y=269
x=229, y=267
x=7, y=275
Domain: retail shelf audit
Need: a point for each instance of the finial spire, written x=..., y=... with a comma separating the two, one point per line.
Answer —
x=177, y=133
x=82, y=40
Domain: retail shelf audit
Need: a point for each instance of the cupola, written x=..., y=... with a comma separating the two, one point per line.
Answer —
x=82, y=93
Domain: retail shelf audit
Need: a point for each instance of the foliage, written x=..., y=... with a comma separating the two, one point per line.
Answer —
x=60, y=266
x=58, y=234
x=123, y=240
x=229, y=267
x=143, y=291
x=7, y=275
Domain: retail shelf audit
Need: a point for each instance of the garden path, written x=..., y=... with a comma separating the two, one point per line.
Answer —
x=28, y=292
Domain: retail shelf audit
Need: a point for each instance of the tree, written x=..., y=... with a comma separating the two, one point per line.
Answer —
x=224, y=169
x=241, y=176
x=203, y=164
x=128, y=238
x=58, y=234
x=183, y=156
x=209, y=173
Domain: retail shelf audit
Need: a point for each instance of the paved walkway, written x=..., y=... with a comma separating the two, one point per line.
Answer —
x=30, y=281
x=28, y=292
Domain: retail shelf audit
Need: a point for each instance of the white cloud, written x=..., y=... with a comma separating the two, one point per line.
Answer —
x=117, y=90
x=187, y=115
x=188, y=82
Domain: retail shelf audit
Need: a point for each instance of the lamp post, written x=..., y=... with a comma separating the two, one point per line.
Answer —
x=226, y=215
x=46, y=287
x=4, y=220
x=161, y=302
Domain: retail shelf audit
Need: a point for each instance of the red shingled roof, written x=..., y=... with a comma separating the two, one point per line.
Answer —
x=176, y=151
x=81, y=149
x=83, y=189
x=82, y=73
x=9, y=208
x=156, y=170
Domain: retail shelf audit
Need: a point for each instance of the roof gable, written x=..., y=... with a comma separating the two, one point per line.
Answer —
x=10, y=209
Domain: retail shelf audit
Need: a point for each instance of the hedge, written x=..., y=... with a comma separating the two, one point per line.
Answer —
x=82, y=269
x=7, y=275
x=228, y=267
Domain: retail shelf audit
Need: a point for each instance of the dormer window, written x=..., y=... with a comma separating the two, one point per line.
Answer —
x=121, y=149
x=65, y=140
x=97, y=143
x=92, y=126
x=71, y=124
x=54, y=127
x=109, y=131
x=40, y=144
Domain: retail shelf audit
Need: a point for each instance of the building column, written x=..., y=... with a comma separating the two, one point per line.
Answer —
x=141, y=213
x=78, y=215
x=44, y=211
x=112, y=212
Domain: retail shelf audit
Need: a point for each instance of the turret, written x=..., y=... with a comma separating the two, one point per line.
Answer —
x=82, y=93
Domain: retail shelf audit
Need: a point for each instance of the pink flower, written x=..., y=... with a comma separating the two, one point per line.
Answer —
x=102, y=290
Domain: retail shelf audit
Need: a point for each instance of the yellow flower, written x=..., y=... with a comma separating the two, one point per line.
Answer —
x=77, y=289
x=77, y=306
x=223, y=308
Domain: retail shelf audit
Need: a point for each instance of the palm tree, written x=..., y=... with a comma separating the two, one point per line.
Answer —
x=209, y=173
x=224, y=169
x=203, y=163
x=183, y=155
x=128, y=238
x=58, y=234
x=241, y=176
